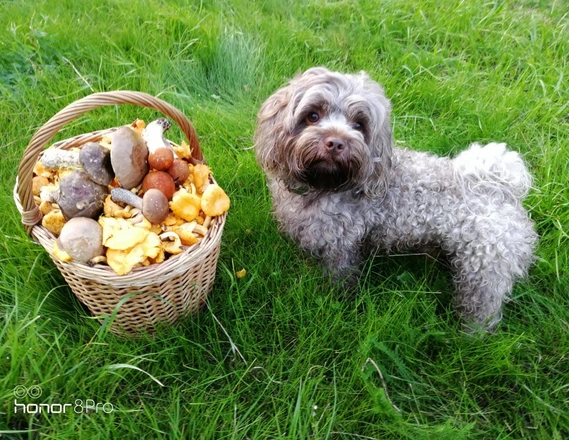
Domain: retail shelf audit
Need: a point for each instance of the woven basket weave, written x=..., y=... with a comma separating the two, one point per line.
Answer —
x=147, y=296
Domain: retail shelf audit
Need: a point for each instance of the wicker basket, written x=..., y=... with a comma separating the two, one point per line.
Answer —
x=147, y=296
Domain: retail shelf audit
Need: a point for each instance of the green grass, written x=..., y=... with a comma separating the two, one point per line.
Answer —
x=282, y=353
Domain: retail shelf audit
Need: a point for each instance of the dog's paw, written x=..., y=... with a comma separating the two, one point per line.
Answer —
x=494, y=163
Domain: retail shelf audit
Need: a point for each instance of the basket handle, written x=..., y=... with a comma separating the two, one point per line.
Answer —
x=30, y=212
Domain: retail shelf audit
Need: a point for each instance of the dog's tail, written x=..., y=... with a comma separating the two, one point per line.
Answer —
x=493, y=166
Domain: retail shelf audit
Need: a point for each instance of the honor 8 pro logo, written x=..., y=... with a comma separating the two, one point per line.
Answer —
x=34, y=393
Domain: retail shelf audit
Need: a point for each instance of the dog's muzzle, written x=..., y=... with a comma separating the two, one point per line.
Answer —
x=332, y=167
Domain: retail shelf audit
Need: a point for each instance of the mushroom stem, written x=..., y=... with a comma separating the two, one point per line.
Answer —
x=126, y=196
x=93, y=159
x=49, y=194
x=54, y=158
x=154, y=205
x=153, y=134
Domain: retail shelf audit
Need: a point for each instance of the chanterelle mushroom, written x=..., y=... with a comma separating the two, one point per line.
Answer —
x=154, y=204
x=124, y=261
x=119, y=234
x=214, y=201
x=128, y=157
x=185, y=205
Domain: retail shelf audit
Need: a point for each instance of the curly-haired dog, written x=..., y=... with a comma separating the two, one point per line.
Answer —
x=341, y=190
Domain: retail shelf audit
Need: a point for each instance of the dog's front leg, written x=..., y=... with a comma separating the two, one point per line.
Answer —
x=338, y=249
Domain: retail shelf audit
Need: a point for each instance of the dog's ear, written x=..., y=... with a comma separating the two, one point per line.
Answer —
x=381, y=150
x=270, y=132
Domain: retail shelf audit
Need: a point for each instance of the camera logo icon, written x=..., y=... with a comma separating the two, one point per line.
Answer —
x=33, y=392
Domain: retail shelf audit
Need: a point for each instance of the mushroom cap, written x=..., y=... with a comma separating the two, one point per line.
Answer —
x=160, y=180
x=180, y=171
x=214, y=201
x=185, y=205
x=96, y=162
x=200, y=173
x=171, y=243
x=128, y=157
x=79, y=196
x=119, y=234
x=124, y=261
x=155, y=207
x=82, y=239
x=161, y=159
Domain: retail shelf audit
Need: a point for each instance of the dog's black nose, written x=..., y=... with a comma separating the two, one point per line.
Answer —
x=334, y=145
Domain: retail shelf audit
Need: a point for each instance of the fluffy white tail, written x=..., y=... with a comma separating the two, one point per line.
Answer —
x=494, y=164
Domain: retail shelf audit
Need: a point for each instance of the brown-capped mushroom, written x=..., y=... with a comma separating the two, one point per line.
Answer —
x=77, y=196
x=92, y=158
x=180, y=171
x=82, y=239
x=154, y=204
x=128, y=157
x=96, y=162
x=160, y=180
x=160, y=152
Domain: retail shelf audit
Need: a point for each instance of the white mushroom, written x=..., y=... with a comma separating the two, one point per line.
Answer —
x=160, y=153
x=82, y=239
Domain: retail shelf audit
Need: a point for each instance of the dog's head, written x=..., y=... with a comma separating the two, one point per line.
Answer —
x=327, y=131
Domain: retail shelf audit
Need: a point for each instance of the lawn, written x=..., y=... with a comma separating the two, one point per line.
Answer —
x=282, y=352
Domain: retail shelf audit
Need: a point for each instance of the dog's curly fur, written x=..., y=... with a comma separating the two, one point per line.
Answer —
x=341, y=189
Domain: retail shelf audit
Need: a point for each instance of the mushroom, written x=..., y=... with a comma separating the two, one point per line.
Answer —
x=119, y=234
x=201, y=174
x=185, y=205
x=160, y=152
x=180, y=171
x=154, y=204
x=92, y=158
x=171, y=243
x=188, y=232
x=111, y=209
x=183, y=151
x=38, y=182
x=125, y=260
x=56, y=158
x=53, y=221
x=160, y=180
x=59, y=253
x=214, y=201
x=128, y=157
x=77, y=196
x=96, y=162
x=82, y=239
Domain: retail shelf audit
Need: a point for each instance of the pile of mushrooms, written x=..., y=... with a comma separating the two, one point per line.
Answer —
x=130, y=200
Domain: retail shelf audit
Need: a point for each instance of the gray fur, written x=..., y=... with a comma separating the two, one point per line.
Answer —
x=339, y=205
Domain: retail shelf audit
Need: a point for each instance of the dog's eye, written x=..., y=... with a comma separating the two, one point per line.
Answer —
x=358, y=126
x=312, y=118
